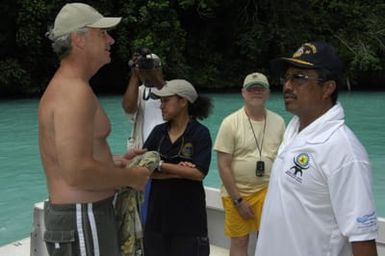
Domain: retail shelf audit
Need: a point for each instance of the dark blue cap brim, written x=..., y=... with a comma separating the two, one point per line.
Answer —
x=280, y=65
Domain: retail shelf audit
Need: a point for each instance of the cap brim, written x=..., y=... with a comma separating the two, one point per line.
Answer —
x=255, y=84
x=162, y=93
x=106, y=22
x=280, y=65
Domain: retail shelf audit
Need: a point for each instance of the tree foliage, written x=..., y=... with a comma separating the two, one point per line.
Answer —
x=212, y=43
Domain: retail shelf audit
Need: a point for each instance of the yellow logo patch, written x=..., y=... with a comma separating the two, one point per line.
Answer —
x=305, y=49
x=187, y=150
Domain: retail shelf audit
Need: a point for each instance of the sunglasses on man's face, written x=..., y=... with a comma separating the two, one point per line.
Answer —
x=298, y=79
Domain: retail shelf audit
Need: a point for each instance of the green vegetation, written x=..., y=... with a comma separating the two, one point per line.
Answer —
x=212, y=43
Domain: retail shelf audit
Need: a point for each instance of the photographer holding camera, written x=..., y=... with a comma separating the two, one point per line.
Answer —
x=143, y=110
x=246, y=144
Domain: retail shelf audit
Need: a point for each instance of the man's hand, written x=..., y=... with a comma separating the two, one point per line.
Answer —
x=138, y=177
x=135, y=74
x=122, y=161
x=245, y=210
x=131, y=153
x=119, y=161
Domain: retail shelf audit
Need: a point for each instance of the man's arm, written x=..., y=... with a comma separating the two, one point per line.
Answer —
x=364, y=248
x=130, y=97
x=226, y=173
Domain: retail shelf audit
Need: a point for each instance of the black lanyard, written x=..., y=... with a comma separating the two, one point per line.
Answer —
x=146, y=94
x=255, y=137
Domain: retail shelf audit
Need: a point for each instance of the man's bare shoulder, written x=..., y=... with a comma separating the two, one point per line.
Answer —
x=66, y=92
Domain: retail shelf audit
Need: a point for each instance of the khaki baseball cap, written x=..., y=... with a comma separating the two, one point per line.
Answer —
x=178, y=87
x=256, y=80
x=74, y=16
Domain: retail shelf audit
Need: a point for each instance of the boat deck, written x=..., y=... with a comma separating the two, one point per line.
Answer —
x=22, y=248
x=218, y=247
x=18, y=248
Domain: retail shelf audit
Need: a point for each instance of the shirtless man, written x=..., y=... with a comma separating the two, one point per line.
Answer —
x=81, y=174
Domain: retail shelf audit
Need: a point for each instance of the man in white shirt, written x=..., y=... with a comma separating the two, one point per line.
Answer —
x=320, y=198
x=143, y=109
x=138, y=103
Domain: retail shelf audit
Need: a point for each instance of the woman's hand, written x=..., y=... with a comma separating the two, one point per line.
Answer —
x=187, y=164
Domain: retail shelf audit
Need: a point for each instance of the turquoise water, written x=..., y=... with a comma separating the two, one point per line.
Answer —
x=22, y=182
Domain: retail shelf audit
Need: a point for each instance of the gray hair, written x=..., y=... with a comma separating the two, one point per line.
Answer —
x=62, y=45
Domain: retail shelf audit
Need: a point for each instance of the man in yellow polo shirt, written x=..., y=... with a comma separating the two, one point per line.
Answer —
x=246, y=145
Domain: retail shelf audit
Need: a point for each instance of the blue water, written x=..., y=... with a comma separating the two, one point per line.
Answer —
x=22, y=182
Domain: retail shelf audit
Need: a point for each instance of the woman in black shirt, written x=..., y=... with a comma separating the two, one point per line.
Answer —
x=177, y=221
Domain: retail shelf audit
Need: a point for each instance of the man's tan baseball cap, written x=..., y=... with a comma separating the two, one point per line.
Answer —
x=74, y=16
x=256, y=80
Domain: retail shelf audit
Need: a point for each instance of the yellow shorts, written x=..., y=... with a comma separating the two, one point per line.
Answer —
x=235, y=225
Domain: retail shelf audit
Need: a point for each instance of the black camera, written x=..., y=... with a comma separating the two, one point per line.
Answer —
x=150, y=71
x=145, y=60
x=260, y=170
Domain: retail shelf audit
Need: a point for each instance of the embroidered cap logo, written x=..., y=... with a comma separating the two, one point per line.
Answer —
x=306, y=49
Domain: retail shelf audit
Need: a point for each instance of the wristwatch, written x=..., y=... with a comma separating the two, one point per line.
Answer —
x=159, y=166
x=237, y=201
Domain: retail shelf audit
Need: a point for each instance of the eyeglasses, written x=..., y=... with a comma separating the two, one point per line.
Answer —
x=298, y=79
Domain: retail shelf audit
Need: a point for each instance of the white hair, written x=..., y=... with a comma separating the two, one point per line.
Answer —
x=62, y=45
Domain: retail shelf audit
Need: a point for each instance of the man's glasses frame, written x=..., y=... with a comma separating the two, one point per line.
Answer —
x=298, y=79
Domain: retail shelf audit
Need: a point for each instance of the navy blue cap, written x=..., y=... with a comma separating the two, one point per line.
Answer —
x=313, y=55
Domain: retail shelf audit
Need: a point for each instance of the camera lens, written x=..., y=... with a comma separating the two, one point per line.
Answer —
x=146, y=63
